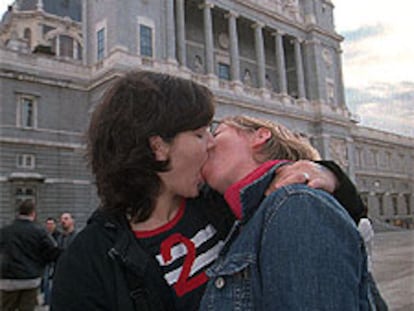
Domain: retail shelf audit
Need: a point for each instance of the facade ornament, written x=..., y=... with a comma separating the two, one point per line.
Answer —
x=198, y=64
x=269, y=84
x=327, y=57
x=223, y=40
x=338, y=151
x=291, y=8
x=39, y=5
x=247, y=77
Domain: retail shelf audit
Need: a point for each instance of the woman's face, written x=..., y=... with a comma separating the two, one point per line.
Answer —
x=187, y=153
x=230, y=159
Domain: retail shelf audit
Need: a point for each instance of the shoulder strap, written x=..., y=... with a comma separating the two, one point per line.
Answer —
x=147, y=287
x=138, y=292
x=150, y=292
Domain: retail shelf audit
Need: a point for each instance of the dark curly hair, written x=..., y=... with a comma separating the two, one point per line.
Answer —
x=137, y=106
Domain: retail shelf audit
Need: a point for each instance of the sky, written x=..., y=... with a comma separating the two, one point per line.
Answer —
x=377, y=61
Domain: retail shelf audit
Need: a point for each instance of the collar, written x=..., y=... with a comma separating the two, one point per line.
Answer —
x=245, y=195
x=24, y=217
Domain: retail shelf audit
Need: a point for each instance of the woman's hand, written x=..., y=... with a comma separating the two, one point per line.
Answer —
x=304, y=172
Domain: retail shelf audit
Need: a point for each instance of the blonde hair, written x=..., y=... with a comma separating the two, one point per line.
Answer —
x=283, y=144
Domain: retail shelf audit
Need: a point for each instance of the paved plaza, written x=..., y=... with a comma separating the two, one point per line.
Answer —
x=393, y=266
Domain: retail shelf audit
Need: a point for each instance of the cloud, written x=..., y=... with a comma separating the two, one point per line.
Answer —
x=386, y=106
x=363, y=32
x=378, y=62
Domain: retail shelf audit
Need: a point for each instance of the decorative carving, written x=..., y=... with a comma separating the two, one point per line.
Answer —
x=327, y=57
x=338, y=151
x=269, y=83
x=291, y=8
x=247, y=77
x=223, y=40
x=198, y=64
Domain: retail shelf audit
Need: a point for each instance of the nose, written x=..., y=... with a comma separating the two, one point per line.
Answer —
x=210, y=141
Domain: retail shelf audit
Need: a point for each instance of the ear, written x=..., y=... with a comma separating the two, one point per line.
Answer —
x=261, y=136
x=159, y=147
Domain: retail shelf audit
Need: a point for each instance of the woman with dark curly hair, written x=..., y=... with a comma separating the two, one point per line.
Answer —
x=155, y=232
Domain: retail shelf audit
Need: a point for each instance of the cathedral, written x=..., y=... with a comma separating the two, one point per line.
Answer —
x=274, y=59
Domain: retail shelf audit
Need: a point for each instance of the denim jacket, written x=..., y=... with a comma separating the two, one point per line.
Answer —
x=296, y=249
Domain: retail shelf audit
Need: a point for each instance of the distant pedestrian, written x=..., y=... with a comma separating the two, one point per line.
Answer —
x=51, y=227
x=46, y=286
x=68, y=232
x=25, y=249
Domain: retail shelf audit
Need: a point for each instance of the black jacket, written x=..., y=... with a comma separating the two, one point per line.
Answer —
x=105, y=268
x=91, y=273
x=25, y=249
x=346, y=194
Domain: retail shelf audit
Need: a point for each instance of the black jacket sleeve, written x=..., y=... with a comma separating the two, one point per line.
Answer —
x=346, y=193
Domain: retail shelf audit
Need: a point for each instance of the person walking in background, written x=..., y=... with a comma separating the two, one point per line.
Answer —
x=25, y=249
x=294, y=249
x=46, y=286
x=68, y=232
x=377, y=302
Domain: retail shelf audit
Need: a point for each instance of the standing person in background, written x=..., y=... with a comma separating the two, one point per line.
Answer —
x=51, y=227
x=148, y=244
x=294, y=249
x=68, y=233
x=25, y=249
x=46, y=286
x=377, y=303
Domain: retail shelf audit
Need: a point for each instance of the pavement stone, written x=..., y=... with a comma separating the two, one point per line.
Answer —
x=393, y=268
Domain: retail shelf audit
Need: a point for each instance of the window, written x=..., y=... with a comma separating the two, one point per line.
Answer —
x=394, y=202
x=66, y=46
x=100, y=44
x=407, y=203
x=26, y=115
x=25, y=161
x=381, y=204
x=145, y=40
x=223, y=71
x=330, y=91
x=79, y=51
x=23, y=193
x=28, y=36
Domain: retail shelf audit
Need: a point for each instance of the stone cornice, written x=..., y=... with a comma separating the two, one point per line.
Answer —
x=42, y=143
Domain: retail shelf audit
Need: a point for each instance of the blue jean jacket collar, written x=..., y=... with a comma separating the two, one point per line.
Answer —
x=244, y=196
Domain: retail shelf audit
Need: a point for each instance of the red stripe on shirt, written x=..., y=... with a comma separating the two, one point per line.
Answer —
x=169, y=225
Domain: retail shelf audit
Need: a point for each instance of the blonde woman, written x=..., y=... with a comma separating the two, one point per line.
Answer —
x=294, y=249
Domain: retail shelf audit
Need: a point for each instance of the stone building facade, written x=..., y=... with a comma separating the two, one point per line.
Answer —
x=277, y=59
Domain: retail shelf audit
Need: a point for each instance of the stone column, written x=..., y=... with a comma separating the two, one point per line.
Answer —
x=299, y=68
x=181, y=46
x=171, y=57
x=234, y=47
x=208, y=37
x=260, y=56
x=340, y=98
x=280, y=62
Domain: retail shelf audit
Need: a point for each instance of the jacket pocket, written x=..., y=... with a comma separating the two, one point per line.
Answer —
x=231, y=285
